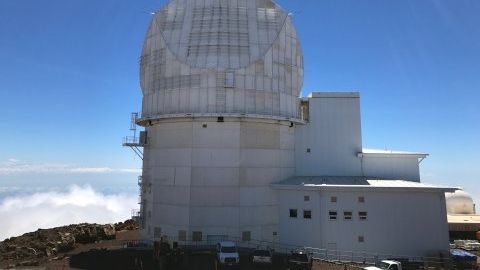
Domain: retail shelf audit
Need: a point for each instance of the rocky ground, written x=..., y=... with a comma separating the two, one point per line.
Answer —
x=47, y=245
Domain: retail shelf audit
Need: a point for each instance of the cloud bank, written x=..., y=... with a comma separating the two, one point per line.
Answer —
x=25, y=213
x=15, y=166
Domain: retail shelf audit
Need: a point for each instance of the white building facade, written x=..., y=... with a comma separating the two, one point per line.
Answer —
x=231, y=148
x=385, y=217
x=220, y=81
x=349, y=199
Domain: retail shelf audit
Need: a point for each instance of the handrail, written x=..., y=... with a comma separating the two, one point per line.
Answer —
x=131, y=140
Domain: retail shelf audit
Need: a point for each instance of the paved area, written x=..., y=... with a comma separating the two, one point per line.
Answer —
x=64, y=262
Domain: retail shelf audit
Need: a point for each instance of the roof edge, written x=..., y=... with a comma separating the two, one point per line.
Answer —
x=359, y=187
x=334, y=95
x=392, y=154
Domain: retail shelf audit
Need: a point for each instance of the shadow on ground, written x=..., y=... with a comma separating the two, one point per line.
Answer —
x=113, y=259
x=143, y=259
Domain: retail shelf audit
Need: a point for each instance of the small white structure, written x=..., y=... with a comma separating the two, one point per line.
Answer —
x=230, y=148
x=463, y=220
x=460, y=203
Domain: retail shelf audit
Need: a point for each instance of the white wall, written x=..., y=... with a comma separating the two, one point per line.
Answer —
x=333, y=135
x=402, y=223
x=404, y=167
x=216, y=179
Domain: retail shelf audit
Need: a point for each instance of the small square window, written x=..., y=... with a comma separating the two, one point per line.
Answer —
x=246, y=236
x=307, y=214
x=293, y=213
x=274, y=233
x=309, y=150
x=333, y=199
x=204, y=125
x=197, y=236
x=306, y=198
x=182, y=235
x=332, y=215
x=361, y=239
x=347, y=215
x=361, y=199
x=362, y=215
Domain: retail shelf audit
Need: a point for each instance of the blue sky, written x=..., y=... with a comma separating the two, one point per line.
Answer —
x=69, y=80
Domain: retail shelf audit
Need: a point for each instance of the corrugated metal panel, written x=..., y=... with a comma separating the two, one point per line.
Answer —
x=191, y=44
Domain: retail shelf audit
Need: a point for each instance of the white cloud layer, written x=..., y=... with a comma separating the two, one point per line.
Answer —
x=26, y=213
x=15, y=166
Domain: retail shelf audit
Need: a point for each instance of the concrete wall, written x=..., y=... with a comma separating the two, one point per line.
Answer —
x=333, y=135
x=215, y=179
x=407, y=223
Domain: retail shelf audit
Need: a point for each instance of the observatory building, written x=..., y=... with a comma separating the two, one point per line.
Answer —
x=463, y=221
x=231, y=150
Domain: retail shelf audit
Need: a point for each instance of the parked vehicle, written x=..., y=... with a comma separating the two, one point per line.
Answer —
x=227, y=253
x=299, y=260
x=386, y=265
x=463, y=259
x=260, y=256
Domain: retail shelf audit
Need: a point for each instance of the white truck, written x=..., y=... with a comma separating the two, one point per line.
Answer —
x=227, y=253
x=386, y=265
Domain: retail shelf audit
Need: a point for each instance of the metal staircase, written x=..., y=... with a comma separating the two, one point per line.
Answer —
x=135, y=142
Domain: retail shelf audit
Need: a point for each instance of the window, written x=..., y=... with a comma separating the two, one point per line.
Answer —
x=307, y=214
x=361, y=199
x=274, y=233
x=182, y=235
x=306, y=198
x=361, y=239
x=332, y=215
x=157, y=232
x=204, y=125
x=333, y=199
x=246, y=236
x=309, y=150
x=362, y=215
x=197, y=236
x=347, y=215
x=293, y=213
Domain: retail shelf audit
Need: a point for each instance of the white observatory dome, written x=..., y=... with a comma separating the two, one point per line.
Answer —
x=460, y=203
x=221, y=81
x=221, y=58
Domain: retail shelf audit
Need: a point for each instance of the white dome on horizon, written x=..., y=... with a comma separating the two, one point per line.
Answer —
x=460, y=203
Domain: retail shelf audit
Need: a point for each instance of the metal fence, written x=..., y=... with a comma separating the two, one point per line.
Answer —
x=324, y=258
